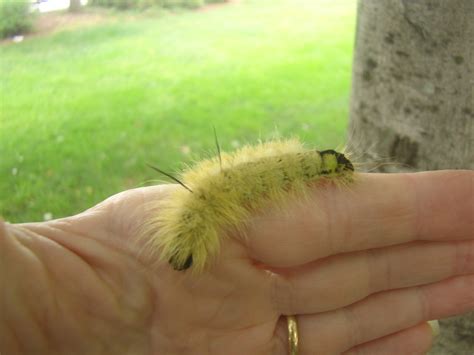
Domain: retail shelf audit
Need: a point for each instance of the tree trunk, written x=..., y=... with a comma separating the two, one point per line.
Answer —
x=74, y=5
x=413, y=100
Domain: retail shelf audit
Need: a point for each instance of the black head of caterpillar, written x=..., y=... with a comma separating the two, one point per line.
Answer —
x=343, y=164
x=225, y=192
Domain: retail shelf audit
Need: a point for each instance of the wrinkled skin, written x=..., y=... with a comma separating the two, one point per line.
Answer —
x=363, y=269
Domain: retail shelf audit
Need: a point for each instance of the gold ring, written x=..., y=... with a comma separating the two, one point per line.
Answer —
x=292, y=335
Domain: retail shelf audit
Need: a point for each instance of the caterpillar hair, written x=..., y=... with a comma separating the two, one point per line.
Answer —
x=225, y=191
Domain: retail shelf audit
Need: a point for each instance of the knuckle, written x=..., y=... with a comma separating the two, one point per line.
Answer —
x=353, y=328
x=464, y=258
x=379, y=271
x=282, y=295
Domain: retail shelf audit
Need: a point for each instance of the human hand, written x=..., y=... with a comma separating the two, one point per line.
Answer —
x=362, y=269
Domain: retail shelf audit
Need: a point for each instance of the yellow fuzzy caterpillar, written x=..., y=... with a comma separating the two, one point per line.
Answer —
x=224, y=191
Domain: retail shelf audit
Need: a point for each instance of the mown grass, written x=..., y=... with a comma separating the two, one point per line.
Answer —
x=83, y=111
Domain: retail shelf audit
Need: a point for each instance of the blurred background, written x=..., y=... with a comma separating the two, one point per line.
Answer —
x=93, y=91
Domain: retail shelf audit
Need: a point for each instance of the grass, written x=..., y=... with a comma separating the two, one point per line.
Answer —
x=82, y=111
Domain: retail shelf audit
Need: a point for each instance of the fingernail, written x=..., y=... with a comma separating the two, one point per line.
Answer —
x=434, y=324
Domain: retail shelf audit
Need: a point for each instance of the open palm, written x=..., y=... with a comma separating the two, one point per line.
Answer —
x=362, y=269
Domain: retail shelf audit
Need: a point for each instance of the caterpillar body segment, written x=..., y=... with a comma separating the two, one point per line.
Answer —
x=225, y=192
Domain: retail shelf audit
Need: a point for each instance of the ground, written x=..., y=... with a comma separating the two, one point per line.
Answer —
x=49, y=23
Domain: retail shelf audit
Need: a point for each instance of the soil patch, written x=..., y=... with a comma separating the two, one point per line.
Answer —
x=52, y=22
x=210, y=7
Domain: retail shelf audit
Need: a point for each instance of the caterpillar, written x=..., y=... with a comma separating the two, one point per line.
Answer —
x=224, y=191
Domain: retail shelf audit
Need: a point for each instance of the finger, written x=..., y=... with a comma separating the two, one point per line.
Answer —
x=382, y=314
x=414, y=340
x=377, y=210
x=343, y=279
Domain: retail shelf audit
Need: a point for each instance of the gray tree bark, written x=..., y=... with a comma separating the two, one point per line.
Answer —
x=413, y=100
x=74, y=5
x=413, y=78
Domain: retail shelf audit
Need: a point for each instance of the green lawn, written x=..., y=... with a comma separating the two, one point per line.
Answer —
x=83, y=111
